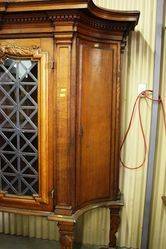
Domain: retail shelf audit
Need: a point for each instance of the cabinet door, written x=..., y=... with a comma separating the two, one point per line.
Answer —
x=26, y=123
x=97, y=122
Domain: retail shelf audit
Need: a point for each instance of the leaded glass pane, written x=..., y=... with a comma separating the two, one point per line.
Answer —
x=18, y=127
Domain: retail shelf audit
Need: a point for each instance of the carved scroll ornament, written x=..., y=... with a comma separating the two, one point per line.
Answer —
x=16, y=51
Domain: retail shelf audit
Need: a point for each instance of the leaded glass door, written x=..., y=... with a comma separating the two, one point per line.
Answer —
x=25, y=126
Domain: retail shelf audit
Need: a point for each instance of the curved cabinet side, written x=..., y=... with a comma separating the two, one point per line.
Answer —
x=97, y=143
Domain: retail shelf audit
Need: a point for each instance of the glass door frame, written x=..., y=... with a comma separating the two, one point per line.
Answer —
x=43, y=200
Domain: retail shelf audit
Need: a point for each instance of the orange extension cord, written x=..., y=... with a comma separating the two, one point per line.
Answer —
x=147, y=94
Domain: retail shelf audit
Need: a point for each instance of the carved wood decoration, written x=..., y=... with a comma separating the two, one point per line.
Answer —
x=77, y=48
x=15, y=51
x=114, y=224
x=66, y=231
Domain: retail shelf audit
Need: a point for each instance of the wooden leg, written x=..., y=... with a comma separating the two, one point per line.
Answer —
x=114, y=224
x=66, y=231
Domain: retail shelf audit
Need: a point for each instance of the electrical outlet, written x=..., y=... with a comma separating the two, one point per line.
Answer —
x=142, y=87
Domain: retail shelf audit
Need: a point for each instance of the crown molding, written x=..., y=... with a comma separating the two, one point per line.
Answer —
x=46, y=5
x=77, y=11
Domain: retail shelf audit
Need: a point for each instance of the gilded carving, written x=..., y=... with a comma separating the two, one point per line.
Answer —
x=16, y=51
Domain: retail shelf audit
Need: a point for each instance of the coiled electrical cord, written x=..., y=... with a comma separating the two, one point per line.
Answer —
x=147, y=94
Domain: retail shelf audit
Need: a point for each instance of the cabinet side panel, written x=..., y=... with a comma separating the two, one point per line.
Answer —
x=63, y=91
x=95, y=129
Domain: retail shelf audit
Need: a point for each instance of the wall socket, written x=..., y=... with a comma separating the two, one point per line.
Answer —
x=142, y=87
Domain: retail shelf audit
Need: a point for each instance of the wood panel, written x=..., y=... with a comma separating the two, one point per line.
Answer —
x=63, y=122
x=95, y=130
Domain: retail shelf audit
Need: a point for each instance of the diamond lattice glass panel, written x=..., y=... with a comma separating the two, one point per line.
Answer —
x=18, y=127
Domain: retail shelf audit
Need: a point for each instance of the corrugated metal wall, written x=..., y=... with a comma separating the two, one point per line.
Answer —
x=158, y=222
x=93, y=227
x=31, y=226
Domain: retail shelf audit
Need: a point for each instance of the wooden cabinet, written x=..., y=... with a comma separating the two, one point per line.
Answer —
x=60, y=109
x=97, y=122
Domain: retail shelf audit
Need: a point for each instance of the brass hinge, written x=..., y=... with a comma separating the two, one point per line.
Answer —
x=51, y=193
x=51, y=64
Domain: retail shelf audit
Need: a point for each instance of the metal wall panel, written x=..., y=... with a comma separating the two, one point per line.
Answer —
x=31, y=226
x=93, y=227
x=158, y=222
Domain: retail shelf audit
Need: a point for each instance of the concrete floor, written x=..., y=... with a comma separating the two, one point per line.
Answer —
x=18, y=242
x=14, y=242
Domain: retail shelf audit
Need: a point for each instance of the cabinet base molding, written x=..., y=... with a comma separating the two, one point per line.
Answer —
x=22, y=211
x=66, y=223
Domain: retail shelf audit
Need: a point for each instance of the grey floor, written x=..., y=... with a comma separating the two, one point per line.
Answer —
x=13, y=242
x=16, y=242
